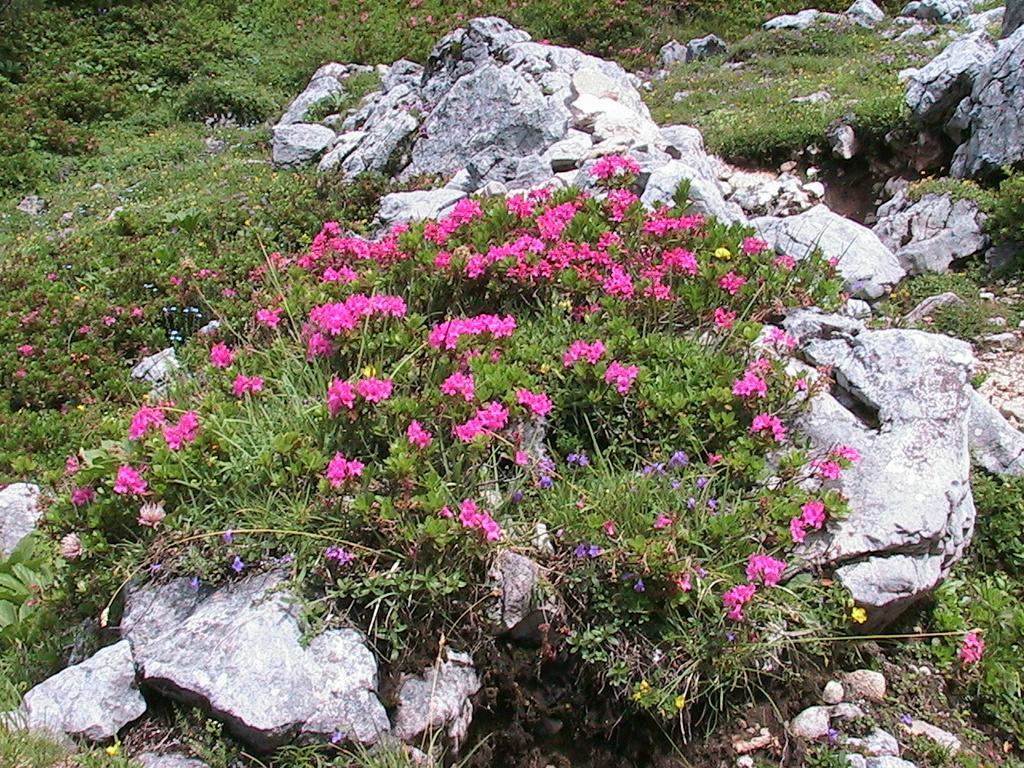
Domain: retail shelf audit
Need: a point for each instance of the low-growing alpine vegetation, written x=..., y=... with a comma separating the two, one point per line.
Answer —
x=563, y=373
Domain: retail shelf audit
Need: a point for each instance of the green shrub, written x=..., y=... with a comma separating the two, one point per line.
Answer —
x=1006, y=222
x=207, y=97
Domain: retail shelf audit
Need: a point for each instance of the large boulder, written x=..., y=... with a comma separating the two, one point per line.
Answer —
x=92, y=700
x=935, y=90
x=930, y=234
x=327, y=82
x=868, y=267
x=404, y=207
x=298, y=143
x=942, y=11
x=993, y=117
x=995, y=445
x=902, y=399
x=240, y=652
x=20, y=510
x=1013, y=17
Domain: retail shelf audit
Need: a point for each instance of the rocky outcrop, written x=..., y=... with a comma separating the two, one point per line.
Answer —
x=935, y=90
x=490, y=103
x=92, y=700
x=298, y=143
x=240, y=653
x=168, y=760
x=992, y=117
x=20, y=510
x=674, y=52
x=903, y=400
x=868, y=267
x=930, y=234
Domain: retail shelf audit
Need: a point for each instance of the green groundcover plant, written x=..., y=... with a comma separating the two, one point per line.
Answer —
x=562, y=373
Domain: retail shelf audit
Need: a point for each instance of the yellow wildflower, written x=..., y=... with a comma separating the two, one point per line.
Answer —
x=114, y=749
x=680, y=701
x=723, y=253
x=859, y=615
x=369, y=372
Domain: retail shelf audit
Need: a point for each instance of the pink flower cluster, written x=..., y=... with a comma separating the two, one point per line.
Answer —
x=490, y=418
x=341, y=394
x=247, y=385
x=765, y=422
x=221, y=355
x=724, y=318
x=737, y=597
x=417, y=435
x=185, y=431
x=614, y=165
x=340, y=470
x=812, y=515
x=765, y=567
x=471, y=516
x=448, y=333
x=333, y=319
x=582, y=350
x=147, y=416
x=459, y=384
x=129, y=481
x=972, y=649
x=621, y=376
x=537, y=402
x=464, y=212
x=752, y=384
x=731, y=283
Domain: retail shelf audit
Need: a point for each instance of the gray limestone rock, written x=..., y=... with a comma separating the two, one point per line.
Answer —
x=930, y=234
x=993, y=118
x=935, y=90
x=901, y=399
x=20, y=510
x=438, y=699
x=298, y=143
x=403, y=207
x=239, y=652
x=867, y=266
x=92, y=700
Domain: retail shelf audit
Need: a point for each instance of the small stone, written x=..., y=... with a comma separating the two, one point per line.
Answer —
x=1008, y=340
x=888, y=762
x=33, y=205
x=1000, y=321
x=815, y=189
x=168, y=760
x=865, y=684
x=788, y=167
x=856, y=308
x=846, y=712
x=745, y=761
x=987, y=295
x=812, y=723
x=158, y=370
x=878, y=743
x=833, y=693
x=941, y=737
x=818, y=97
x=440, y=697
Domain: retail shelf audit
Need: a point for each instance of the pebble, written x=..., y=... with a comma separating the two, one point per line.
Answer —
x=878, y=743
x=745, y=761
x=865, y=684
x=833, y=693
x=846, y=712
x=987, y=295
x=812, y=723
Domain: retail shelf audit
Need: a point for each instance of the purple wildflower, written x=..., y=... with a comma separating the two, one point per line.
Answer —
x=237, y=565
x=545, y=482
x=702, y=483
x=342, y=556
x=229, y=536
x=639, y=586
x=679, y=459
x=517, y=496
x=194, y=583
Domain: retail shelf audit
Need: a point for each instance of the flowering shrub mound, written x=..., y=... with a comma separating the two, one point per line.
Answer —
x=565, y=374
